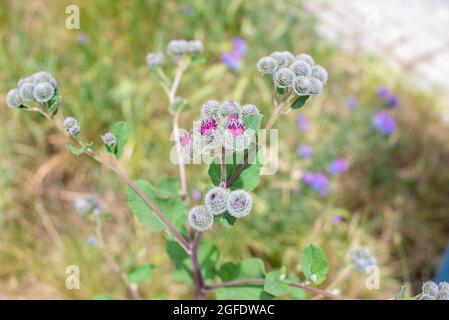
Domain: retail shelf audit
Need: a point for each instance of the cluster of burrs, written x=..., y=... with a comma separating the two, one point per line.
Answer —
x=220, y=125
x=300, y=74
x=433, y=291
x=218, y=201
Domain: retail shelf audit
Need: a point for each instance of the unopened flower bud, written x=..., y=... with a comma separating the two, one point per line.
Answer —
x=43, y=92
x=316, y=87
x=210, y=109
x=13, y=99
x=301, y=68
x=430, y=287
x=281, y=59
x=26, y=91
x=215, y=200
x=155, y=59
x=320, y=73
x=306, y=57
x=302, y=85
x=284, y=78
x=239, y=203
x=200, y=218
x=71, y=125
x=267, y=66
x=109, y=139
x=230, y=107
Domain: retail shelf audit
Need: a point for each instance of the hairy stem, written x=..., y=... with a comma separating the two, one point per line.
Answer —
x=198, y=281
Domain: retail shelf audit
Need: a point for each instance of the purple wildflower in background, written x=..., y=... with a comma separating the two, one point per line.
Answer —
x=196, y=194
x=336, y=219
x=318, y=181
x=305, y=151
x=338, y=166
x=82, y=38
x=385, y=94
x=352, y=102
x=384, y=122
x=303, y=123
x=233, y=59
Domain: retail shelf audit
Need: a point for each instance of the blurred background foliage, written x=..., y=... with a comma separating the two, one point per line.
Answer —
x=393, y=197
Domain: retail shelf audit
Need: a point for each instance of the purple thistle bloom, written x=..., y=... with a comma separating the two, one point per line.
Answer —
x=318, y=181
x=235, y=125
x=232, y=60
x=208, y=126
x=393, y=101
x=384, y=122
x=383, y=92
x=240, y=45
x=303, y=123
x=82, y=38
x=338, y=166
x=352, y=102
x=305, y=151
x=336, y=219
x=196, y=194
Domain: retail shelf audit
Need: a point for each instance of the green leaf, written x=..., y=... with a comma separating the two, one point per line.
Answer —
x=314, y=261
x=253, y=121
x=281, y=91
x=78, y=151
x=401, y=294
x=140, y=273
x=275, y=283
x=249, y=177
x=173, y=208
x=227, y=220
x=54, y=103
x=197, y=60
x=299, y=102
x=120, y=131
x=296, y=293
x=208, y=255
x=168, y=188
x=103, y=296
x=247, y=269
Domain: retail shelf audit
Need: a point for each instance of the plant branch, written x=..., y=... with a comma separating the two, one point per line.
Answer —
x=198, y=281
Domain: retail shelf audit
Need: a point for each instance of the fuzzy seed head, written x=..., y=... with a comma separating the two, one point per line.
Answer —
x=43, y=92
x=426, y=297
x=215, y=200
x=109, y=139
x=24, y=80
x=307, y=58
x=230, y=107
x=26, y=91
x=442, y=295
x=71, y=125
x=281, y=58
x=43, y=76
x=210, y=109
x=284, y=78
x=239, y=203
x=200, y=218
x=249, y=110
x=267, y=65
x=289, y=57
x=430, y=287
x=316, y=87
x=301, y=68
x=13, y=99
x=302, y=85
x=443, y=286
x=155, y=59
x=320, y=73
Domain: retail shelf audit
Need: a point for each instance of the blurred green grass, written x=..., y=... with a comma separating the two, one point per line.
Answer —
x=395, y=187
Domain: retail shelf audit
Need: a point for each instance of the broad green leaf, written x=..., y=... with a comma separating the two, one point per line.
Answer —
x=314, y=261
x=246, y=269
x=296, y=293
x=253, y=121
x=248, y=179
x=168, y=188
x=140, y=273
x=120, y=131
x=77, y=151
x=299, y=102
x=173, y=208
x=275, y=283
x=208, y=255
x=227, y=220
x=281, y=91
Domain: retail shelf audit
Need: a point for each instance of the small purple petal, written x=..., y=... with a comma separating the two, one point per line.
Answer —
x=305, y=151
x=352, y=102
x=383, y=92
x=338, y=166
x=82, y=38
x=392, y=101
x=384, y=122
x=232, y=60
x=196, y=194
x=336, y=219
x=240, y=45
x=302, y=123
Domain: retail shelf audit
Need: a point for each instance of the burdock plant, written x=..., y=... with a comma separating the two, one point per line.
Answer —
x=227, y=131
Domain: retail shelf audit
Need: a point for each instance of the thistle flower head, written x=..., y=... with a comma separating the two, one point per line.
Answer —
x=155, y=59
x=302, y=85
x=249, y=110
x=230, y=107
x=443, y=286
x=235, y=142
x=13, y=99
x=215, y=200
x=284, y=77
x=210, y=108
x=289, y=57
x=235, y=125
x=26, y=91
x=384, y=122
x=442, y=295
x=267, y=65
x=24, y=80
x=306, y=57
x=316, y=87
x=427, y=297
x=282, y=59
x=208, y=126
x=200, y=218
x=71, y=125
x=43, y=92
x=320, y=73
x=430, y=287
x=190, y=145
x=239, y=203
x=43, y=76
x=109, y=139
x=301, y=68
